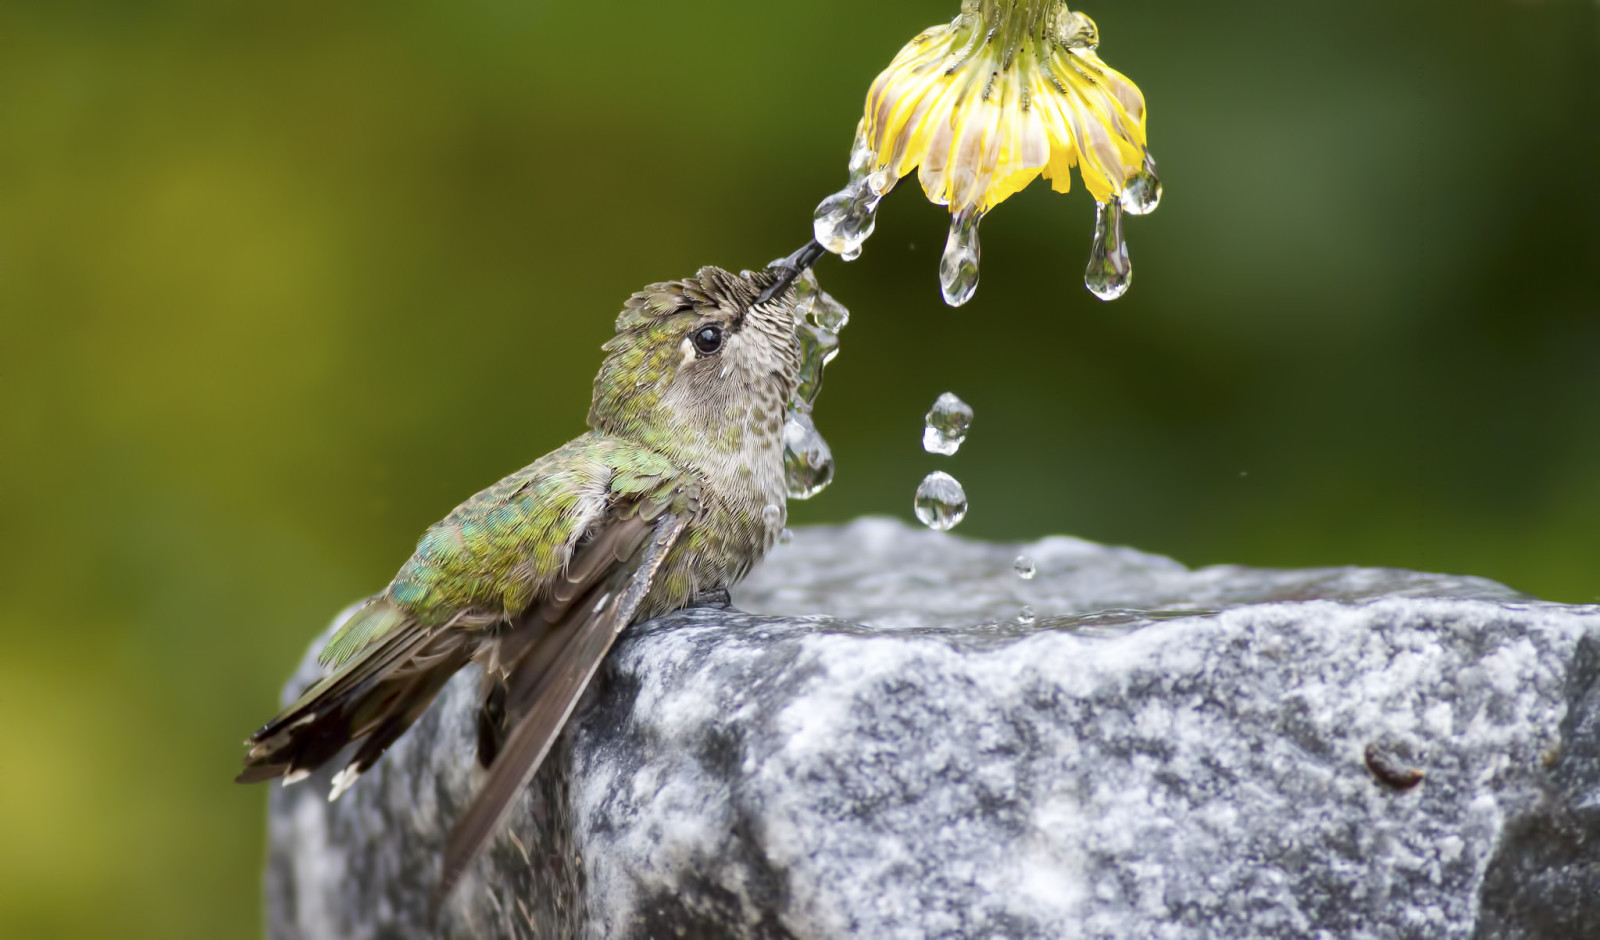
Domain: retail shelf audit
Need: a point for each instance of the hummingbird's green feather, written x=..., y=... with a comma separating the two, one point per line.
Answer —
x=493, y=553
x=373, y=621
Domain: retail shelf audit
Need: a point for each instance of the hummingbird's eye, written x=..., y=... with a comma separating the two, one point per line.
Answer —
x=707, y=339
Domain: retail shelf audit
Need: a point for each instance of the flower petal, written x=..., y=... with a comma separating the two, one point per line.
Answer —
x=982, y=105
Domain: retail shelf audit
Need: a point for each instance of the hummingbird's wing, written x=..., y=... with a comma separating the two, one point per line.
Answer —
x=553, y=656
x=531, y=542
x=376, y=696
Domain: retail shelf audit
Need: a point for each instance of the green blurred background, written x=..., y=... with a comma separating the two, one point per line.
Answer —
x=281, y=283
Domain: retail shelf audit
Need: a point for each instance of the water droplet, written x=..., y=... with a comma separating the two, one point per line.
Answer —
x=1076, y=31
x=772, y=515
x=807, y=460
x=829, y=314
x=945, y=426
x=958, y=269
x=786, y=536
x=862, y=159
x=1024, y=568
x=1026, y=615
x=844, y=220
x=806, y=291
x=1142, y=192
x=1109, y=271
x=817, y=349
x=940, y=502
x=881, y=181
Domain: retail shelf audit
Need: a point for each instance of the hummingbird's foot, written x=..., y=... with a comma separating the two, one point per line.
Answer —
x=718, y=599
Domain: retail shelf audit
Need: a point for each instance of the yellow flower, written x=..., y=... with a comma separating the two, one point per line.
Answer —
x=1008, y=91
x=1005, y=93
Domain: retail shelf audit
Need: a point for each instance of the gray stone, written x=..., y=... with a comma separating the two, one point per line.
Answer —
x=887, y=750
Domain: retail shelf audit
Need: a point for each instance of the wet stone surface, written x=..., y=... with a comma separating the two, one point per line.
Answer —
x=882, y=749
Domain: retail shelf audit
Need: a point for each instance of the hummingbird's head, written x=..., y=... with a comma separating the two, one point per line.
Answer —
x=698, y=368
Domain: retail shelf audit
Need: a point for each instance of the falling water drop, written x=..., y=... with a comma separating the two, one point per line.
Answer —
x=940, y=501
x=945, y=426
x=1024, y=567
x=807, y=460
x=958, y=269
x=1142, y=193
x=1026, y=615
x=786, y=536
x=772, y=516
x=1109, y=271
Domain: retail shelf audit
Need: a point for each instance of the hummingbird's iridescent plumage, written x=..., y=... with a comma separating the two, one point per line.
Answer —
x=663, y=500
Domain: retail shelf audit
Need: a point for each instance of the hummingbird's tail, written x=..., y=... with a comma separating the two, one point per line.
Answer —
x=374, y=696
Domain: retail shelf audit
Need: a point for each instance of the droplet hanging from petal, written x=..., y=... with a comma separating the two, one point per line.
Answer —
x=1074, y=30
x=881, y=181
x=1109, y=272
x=958, y=269
x=845, y=220
x=1142, y=192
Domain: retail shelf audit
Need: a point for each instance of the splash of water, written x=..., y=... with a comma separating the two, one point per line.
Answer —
x=807, y=459
x=817, y=349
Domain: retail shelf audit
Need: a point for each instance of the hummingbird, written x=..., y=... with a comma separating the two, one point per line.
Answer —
x=672, y=495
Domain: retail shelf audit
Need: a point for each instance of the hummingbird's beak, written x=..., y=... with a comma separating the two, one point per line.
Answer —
x=790, y=268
